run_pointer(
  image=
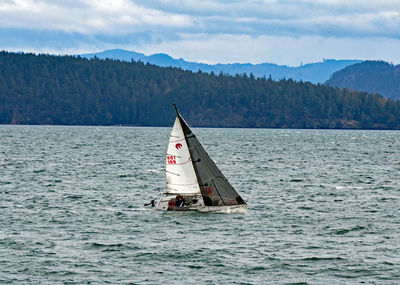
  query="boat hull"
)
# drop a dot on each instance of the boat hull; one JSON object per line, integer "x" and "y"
{"x": 195, "y": 203}
{"x": 234, "y": 209}
{"x": 167, "y": 202}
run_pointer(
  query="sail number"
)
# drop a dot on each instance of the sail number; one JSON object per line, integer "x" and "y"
{"x": 171, "y": 159}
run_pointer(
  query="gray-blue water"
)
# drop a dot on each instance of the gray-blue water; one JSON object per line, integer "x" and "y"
{"x": 323, "y": 208}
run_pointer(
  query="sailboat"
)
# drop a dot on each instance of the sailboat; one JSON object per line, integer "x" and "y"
{"x": 194, "y": 182}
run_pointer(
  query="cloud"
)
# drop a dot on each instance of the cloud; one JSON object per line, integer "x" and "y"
{"x": 271, "y": 17}
{"x": 276, "y": 49}
{"x": 293, "y": 18}
{"x": 230, "y": 28}
{"x": 87, "y": 17}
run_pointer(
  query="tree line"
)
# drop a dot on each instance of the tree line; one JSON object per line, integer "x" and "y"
{"x": 69, "y": 90}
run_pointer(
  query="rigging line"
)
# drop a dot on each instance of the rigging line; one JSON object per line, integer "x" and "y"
{"x": 215, "y": 177}
{"x": 182, "y": 184}
{"x": 176, "y": 140}
{"x": 172, "y": 188}
{"x": 215, "y": 186}
{"x": 174, "y": 155}
{"x": 172, "y": 173}
{"x": 180, "y": 191}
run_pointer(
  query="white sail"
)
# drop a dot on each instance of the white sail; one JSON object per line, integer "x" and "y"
{"x": 181, "y": 177}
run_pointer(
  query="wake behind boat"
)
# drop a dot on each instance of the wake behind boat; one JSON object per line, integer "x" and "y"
{"x": 194, "y": 182}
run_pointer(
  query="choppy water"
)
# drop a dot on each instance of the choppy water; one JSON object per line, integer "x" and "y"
{"x": 323, "y": 208}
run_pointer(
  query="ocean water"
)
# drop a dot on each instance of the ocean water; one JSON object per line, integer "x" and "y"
{"x": 324, "y": 208}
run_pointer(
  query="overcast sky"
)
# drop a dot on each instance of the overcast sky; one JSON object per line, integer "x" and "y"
{"x": 283, "y": 32}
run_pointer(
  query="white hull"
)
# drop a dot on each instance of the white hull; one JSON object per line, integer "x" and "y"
{"x": 163, "y": 204}
{"x": 235, "y": 209}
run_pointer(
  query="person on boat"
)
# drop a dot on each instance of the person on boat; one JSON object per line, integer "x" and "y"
{"x": 152, "y": 203}
{"x": 179, "y": 201}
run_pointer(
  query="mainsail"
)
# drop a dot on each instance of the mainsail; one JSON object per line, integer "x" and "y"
{"x": 214, "y": 187}
{"x": 181, "y": 177}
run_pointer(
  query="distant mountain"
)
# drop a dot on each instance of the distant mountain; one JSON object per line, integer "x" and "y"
{"x": 314, "y": 72}
{"x": 369, "y": 76}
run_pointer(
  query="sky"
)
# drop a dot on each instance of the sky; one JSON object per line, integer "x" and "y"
{"x": 287, "y": 32}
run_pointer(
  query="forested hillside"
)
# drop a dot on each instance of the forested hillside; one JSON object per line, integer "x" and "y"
{"x": 370, "y": 76}
{"x": 66, "y": 90}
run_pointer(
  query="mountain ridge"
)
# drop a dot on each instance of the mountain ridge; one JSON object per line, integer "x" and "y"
{"x": 316, "y": 73}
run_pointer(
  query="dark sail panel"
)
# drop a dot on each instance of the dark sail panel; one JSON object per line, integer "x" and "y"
{"x": 215, "y": 188}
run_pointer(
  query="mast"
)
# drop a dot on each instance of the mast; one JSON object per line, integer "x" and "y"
{"x": 176, "y": 109}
